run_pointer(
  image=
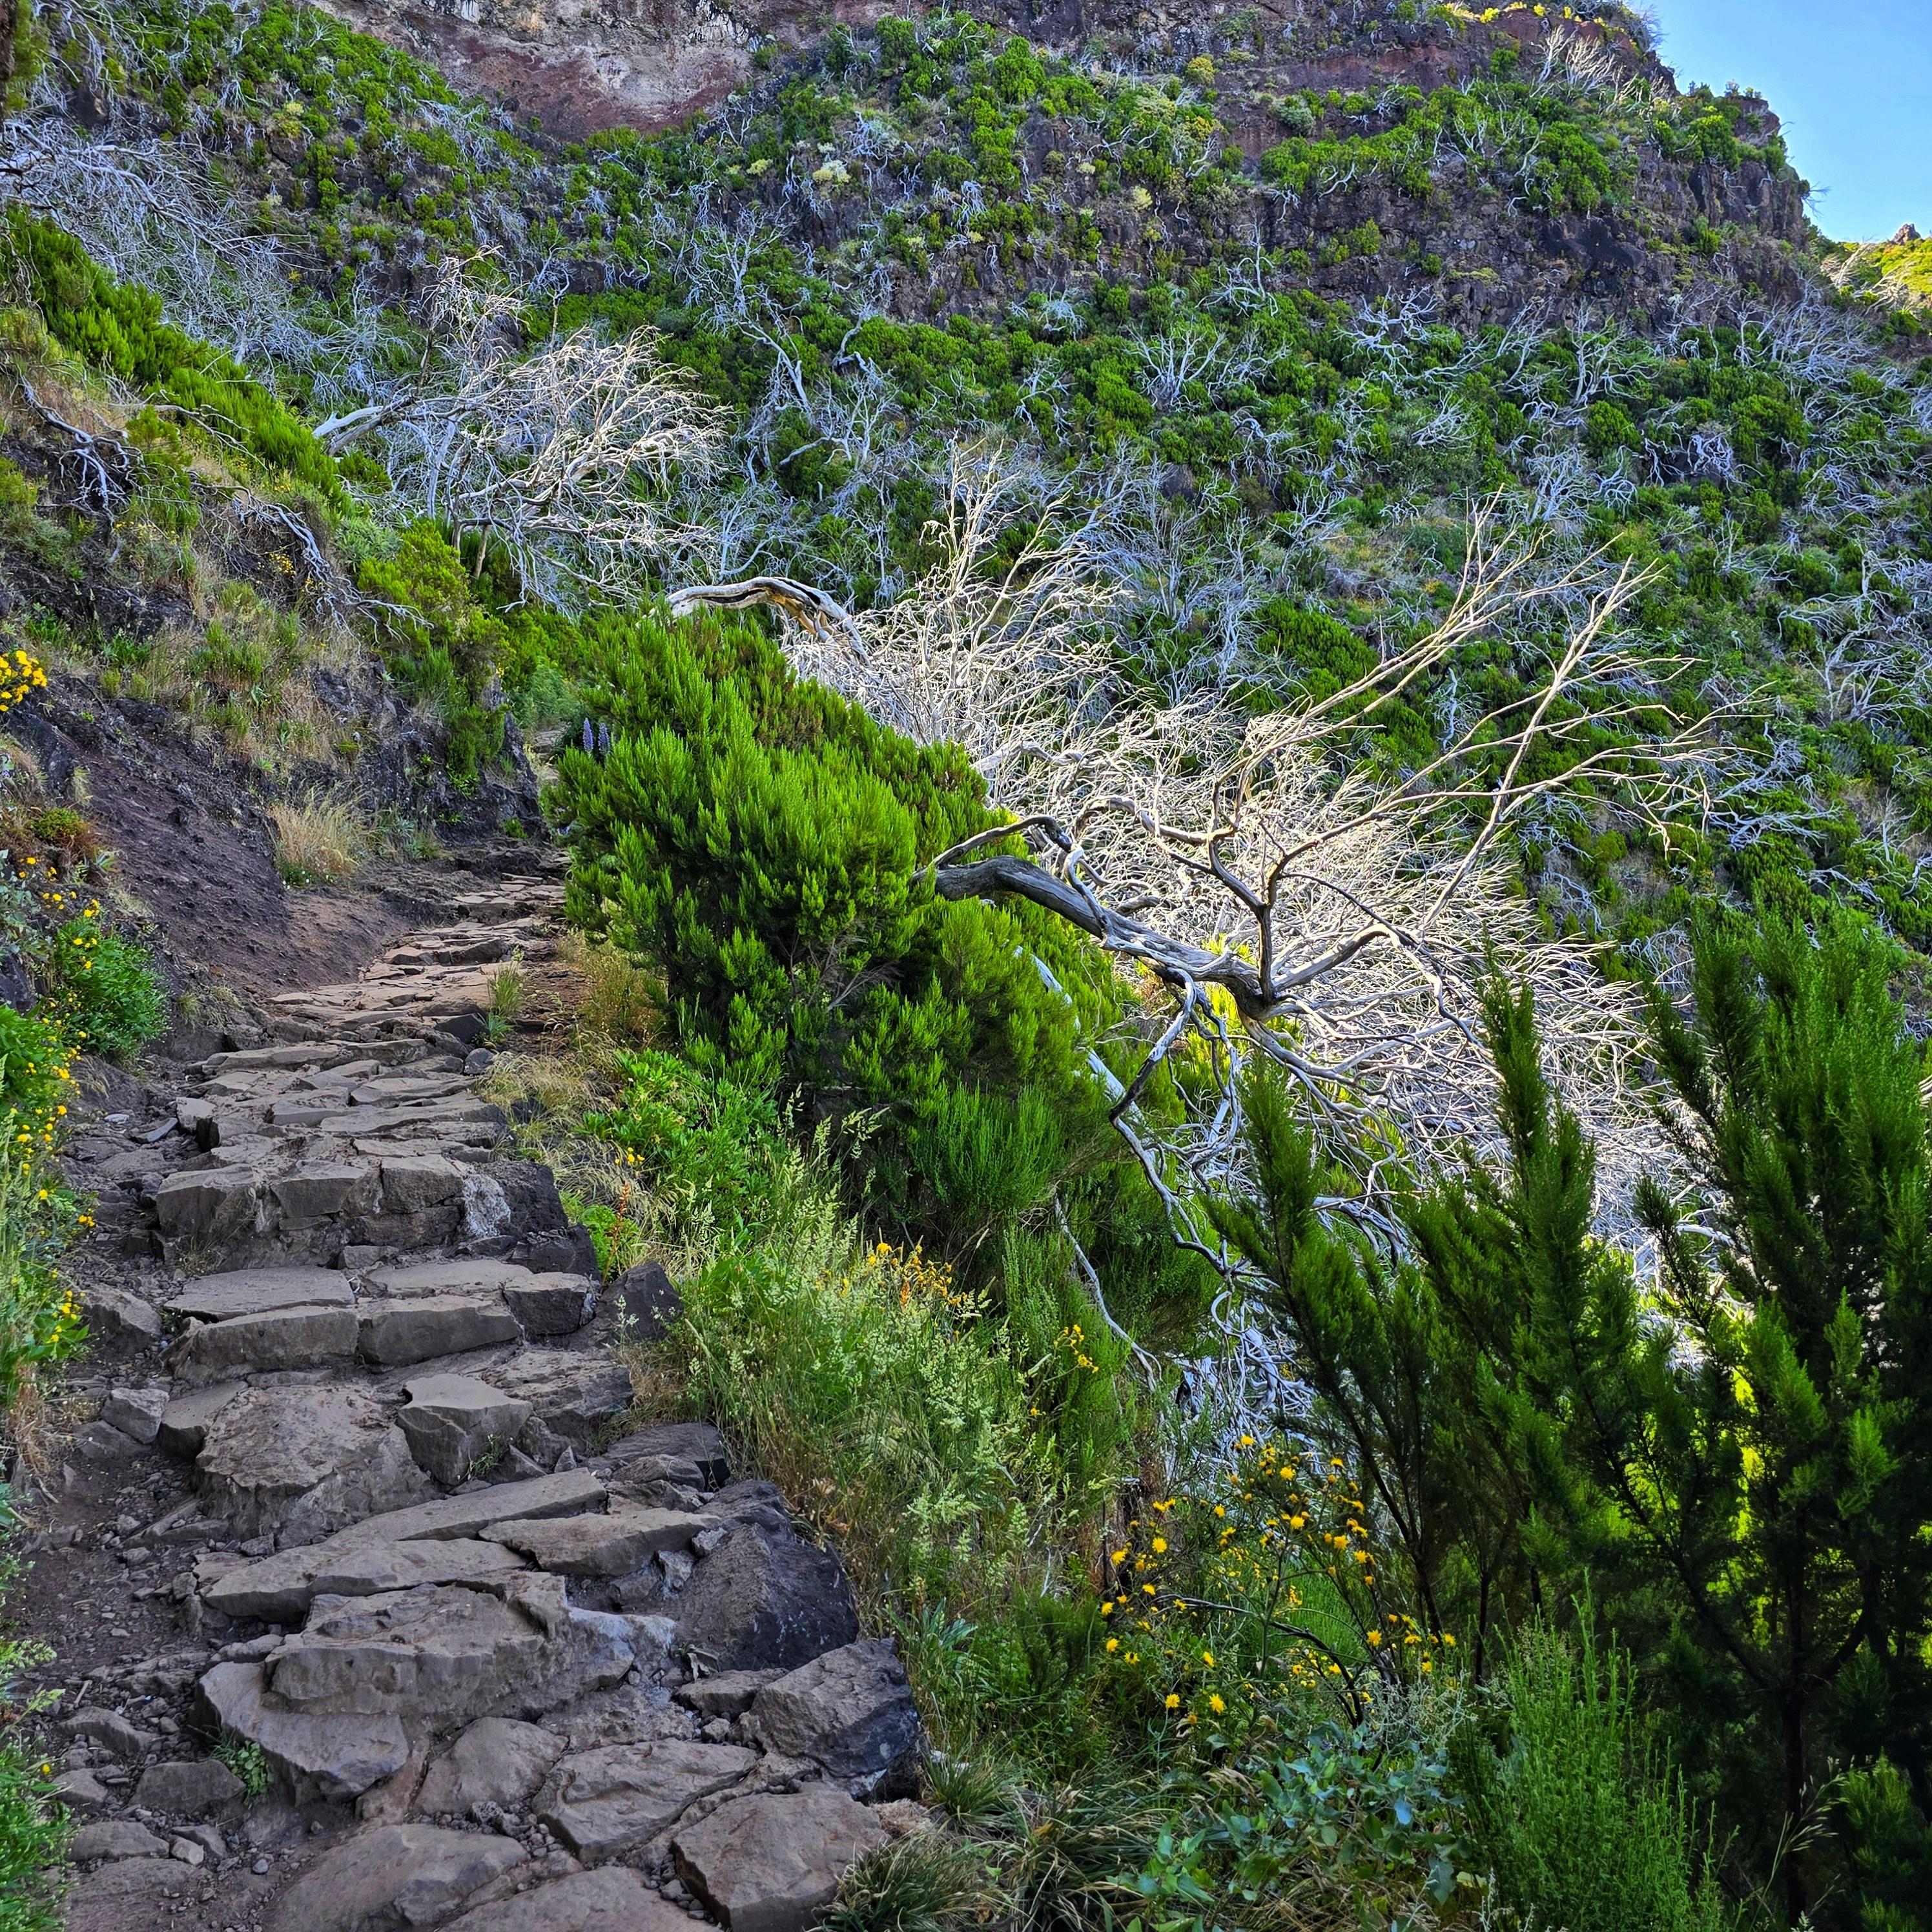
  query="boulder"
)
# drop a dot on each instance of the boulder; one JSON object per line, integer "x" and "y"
{"x": 612, "y": 1545}
{"x": 568, "y": 1250}
{"x": 191, "y": 1788}
{"x": 318, "y": 1755}
{"x": 394, "y": 1334}
{"x": 220, "y": 1298}
{"x": 602, "y": 1803}
{"x": 696, "y": 1445}
{"x": 319, "y": 1191}
{"x": 850, "y": 1711}
{"x": 300, "y": 1462}
{"x": 613, "y": 1899}
{"x": 572, "y": 1393}
{"x": 728, "y": 1694}
{"x": 411, "y": 1187}
{"x": 116, "y": 1838}
{"x": 215, "y": 1207}
{"x": 113, "y": 1315}
{"x": 392, "y": 1876}
{"x": 136, "y": 1412}
{"x": 551, "y": 1304}
{"x": 184, "y": 1421}
{"x": 451, "y": 1421}
{"x": 441, "y": 1653}
{"x": 496, "y": 1761}
{"x": 643, "y": 1303}
{"x": 285, "y": 1338}
{"x": 764, "y": 1600}
{"x": 772, "y": 1863}
{"x": 81, "y": 1791}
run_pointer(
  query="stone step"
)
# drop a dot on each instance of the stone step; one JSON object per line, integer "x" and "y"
{"x": 218, "y": 1297}
{"x": 279, "y": 1589}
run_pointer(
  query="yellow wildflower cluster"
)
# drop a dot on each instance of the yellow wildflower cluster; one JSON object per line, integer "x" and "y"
{"x": 1073, "y": 1340}
{"x": 915, "y": 1280}
{"x": 21, "y": 675}
{"x": 1266, "y": 1585}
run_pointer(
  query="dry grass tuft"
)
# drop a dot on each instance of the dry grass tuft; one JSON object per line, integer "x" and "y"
{"x": 318, "y": 840}
{"x": 615, "y": 998}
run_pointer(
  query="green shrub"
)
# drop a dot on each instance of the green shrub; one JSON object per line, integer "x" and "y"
{"x": 105, "y": 992}
{"x": 119, "y": 329}
{"x": 708, "y": 1146}
{"x": 1581, "y": 1823}
{"x": 34, "y": 1831}
{"x": 874, "y": 1391}
{"x": 761, "y": 843}
{"x": 442, "y": 646}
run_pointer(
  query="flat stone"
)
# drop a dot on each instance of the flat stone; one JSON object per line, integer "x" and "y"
{"x": 451, "y": 1421}
{"x": 573, "y": 1393}
{"x": 551, "y": 1304}
{"x": 773, "y": 1862}
{"x": 393, "y": 1875}
{"x": 369, "y": 1570}
{"x": 127, "y": 1892}
{"x": 603, "y": 1803}
{"x": 850, "y": 1711}
{"x": 220, "y": 1298}
{"x": 330, "y": 1756}
{"x": 191, "y": 1788}
{"x": 183, "y": 1425}
{"x": 277, "y": 1589}
{"x": 136, "y": 1412}
{"x": 693, "y": 1442}
{"x": 469, "y": 1274}
{"x": 611, "y": 1545}
{"x": 111, "y": 1731}
{"x": 285, "y": 1338}
{"x": 300, "y": 1462}
{"x": 101, "y": 1442}
{"x": 613, "y": 1899}
{"x": 728, "y": 1694}
{"x": 395, "y": 1334}
{"x": 496, "y": 1761}
{"x": 764, "y": 1600}
{"x": 116, "y": 1838}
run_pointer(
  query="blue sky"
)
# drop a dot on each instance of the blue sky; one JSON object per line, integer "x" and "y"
{"x": 1853, "y": 82}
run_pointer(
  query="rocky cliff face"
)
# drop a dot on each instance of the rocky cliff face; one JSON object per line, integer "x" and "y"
{"x": 1485, "y": 244}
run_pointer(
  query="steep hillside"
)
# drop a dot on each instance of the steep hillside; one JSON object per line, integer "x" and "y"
{"x": 1239, "y": 708}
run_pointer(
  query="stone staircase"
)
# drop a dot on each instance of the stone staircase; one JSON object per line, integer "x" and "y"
{"x": 506, "y": 1665}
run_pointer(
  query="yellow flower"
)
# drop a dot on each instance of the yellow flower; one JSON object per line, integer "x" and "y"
{"x": 1374, "y": 1637}
{"x": 1160, "y": 1546}
{"x": 1173, "y": 1701}
{"x": 1113, "y": 1643}
{"x": 1208, "y": 1658}
{"x": 1215, "y": 1702}
{"x": 1107, "y": 1609}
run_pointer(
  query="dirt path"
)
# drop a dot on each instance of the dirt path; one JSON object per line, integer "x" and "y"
{"x": 370, "y": 1610}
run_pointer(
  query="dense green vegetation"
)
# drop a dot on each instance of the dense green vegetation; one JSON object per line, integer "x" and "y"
{"x": 1484, "y": 1563}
